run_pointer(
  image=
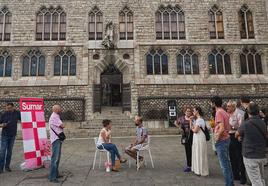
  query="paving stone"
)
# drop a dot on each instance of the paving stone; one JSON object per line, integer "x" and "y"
{"x": 77, "y": 159}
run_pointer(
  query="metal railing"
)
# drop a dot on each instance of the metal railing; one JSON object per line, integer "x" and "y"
{"x": 156, "y": 108}
{"x": 73, "y": 109}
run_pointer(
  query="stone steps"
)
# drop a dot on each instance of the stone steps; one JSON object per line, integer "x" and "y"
{"x": 122, "y": 125}
{"x": 120, "y": 121}
{"x": 116, "y": 132}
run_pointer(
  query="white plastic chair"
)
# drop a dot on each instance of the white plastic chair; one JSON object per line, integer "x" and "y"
{"x": 144, "y": 148}
{"x": 101, "y": 151}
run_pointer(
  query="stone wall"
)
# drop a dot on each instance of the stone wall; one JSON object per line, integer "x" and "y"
{"x": 17, "y": 79}
{"x": 196, "y": 14}
{"x": 196, "y": 19}
{"x": 203, "y": 77}
{"x": 202, "y": 90}
{"x": 51, "y": 92}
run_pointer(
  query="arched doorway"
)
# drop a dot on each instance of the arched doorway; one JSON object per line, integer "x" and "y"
{"x": 111, "y": 86}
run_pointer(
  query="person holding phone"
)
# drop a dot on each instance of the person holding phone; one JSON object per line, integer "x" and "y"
{"x": 8, "y": 122}
{"x": 187, "y": 135}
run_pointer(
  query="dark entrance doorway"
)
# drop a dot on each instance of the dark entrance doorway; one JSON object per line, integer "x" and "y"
{"x": 111, "y": 86}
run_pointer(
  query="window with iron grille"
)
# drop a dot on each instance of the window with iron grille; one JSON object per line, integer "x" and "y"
{"x": 65, "y": 63}
{"x": 216, "y": 30}
{"x": 187, "y": 62}
{"x": 156, "y": 62}
{"x": 250, "y": 62}
{"x": 5, "y": 24}
{"x": 126, "y": 24}
{"x": 95, "y": 24}
{"x": 170, "y": 23}
{"x": 50, "y": 24}
{"x": 5, "y": 64}
{"x": 219, "y": 62}
{"x": 33, "y": 63}
{"x": 246, "y": 23}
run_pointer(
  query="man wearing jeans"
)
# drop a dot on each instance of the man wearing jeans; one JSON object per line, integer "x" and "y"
{"x": 56, "y": 127}
{"x": 8, "y": 122}
{"x": 253, "y": 133}
{"x": 222, "y": 140}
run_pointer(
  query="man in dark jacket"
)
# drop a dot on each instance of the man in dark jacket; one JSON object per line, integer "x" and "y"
{"x": 253, "y": 134}
{"x": 8, "y": 122}
{"x": 244, "y": 103}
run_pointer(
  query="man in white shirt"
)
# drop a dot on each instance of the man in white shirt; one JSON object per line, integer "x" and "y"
{"x": 235, "y": 149}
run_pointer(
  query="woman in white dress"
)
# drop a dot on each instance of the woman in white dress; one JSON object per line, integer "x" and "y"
{"x": 199, "y": 147}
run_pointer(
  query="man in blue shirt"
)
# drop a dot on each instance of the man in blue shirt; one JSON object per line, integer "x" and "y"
{"x": 8, "y": 122}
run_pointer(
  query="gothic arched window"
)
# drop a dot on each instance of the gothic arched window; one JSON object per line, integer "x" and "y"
{"x": 170, "y": 23}
{"x": 246, "y": 23}
{"x": 156, "y": 62}
{"x": 216, "y": 30}
{"x": 65, "y": 63}
{"x": 187, "y": 62}
{"x": 5, "y": 24}
{"x": 250, "y": 62}
{"x": 33, "y": 64}
{"x": 219, "y": 62}
{"x": 51, "y": 24}
{"x": 126, "y": 24}
{"x": 5, "y": 64}
{"x": 95, "y": 24}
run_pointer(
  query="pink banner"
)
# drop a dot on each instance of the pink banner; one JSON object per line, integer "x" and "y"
{"x": 33, "y": 132}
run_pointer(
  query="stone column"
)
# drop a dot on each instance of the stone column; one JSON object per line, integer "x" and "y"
{"x": 172, "y": 64}
{"x": 235, "y": 62}
{"x": 49, "y": 64}
{"x": 134, "y": 98}
{"x": 17, "y": 66}
{"x": 264, "y": 60}
{"x": 203, "y": 61}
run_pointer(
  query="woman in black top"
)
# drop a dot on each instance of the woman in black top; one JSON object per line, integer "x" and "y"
{"x": 187, "y": 136}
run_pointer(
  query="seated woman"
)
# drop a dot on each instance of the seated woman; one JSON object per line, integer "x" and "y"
{"x": 104, "y": 141}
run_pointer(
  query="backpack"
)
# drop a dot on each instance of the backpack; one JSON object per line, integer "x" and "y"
{"x": 206, "y": 132}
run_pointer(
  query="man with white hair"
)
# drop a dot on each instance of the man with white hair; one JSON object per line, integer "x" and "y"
{"x": 235, "y": 148}
{"x": 56, "y": 128}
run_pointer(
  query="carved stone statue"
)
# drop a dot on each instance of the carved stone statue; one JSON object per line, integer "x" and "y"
{"x": 108, "y": 41}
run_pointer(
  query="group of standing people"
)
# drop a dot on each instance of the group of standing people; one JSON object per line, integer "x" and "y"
{"x": 240, "y": 136}
{"x": 194, "y": 140}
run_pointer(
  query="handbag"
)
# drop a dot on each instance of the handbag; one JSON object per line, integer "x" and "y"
{"x": 206, "y": 132}
{"x": 61, "y": 135}
{"x": 185, "y": 138}
{"x": 117, "y": 164}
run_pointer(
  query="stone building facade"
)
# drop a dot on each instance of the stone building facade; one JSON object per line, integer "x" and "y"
{"x": 129, "y": 56}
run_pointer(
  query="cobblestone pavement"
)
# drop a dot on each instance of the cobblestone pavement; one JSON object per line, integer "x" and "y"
{"x": 77, "y": 159}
